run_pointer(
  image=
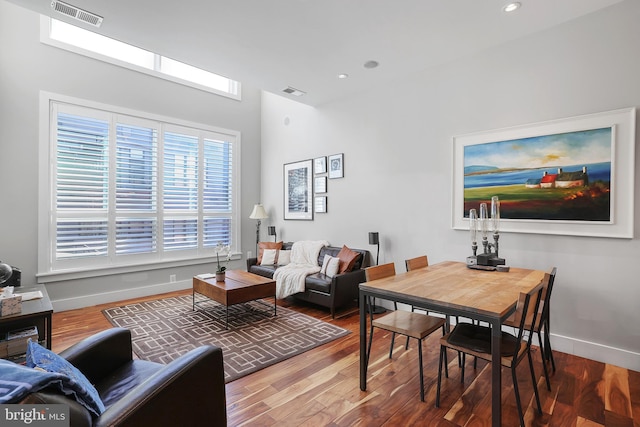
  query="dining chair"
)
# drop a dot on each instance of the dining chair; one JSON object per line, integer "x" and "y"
{"x": 408, "y": 323}
{"x": 476, "y": 340}
{"x": 417, "y": 262}
{"x": 541, "y": 323}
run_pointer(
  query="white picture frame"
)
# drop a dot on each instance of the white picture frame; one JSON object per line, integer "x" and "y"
{"x": 621, "y": 221}
{"x": 320, "y": 165}
{"x": 320, "y": 184}
{"x": 320, "y": 204}
{"x": 298, "y": 190}
{"x": 336, "y": 166}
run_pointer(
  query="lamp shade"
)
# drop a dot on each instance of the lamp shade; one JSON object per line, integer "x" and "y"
{"x": 258, "y": 212}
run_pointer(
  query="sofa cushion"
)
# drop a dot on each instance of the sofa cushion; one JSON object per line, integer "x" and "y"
{"x": 348, "y": 259}
{"x": 318, "y": 282}
{"x": 267, "y": 245}
{"x": 263, "y": 270}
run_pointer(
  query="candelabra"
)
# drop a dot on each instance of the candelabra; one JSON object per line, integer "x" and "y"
{"x": 489, "y": 255}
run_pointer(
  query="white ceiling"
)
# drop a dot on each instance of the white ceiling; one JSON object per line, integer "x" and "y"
{"x": 273, "y": 44}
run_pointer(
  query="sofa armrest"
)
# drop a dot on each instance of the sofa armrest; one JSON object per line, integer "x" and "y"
{"x": 250, "y": 262}
{"x": 188, "y": 391}
{"x": 344, "y": 287}
{"x": 101, "y": 354}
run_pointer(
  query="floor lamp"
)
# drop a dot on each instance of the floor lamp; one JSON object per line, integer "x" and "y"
{"x": 374, "y": 239}
{"x": 258, "y": 213}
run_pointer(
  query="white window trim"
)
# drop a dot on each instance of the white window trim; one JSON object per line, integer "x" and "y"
{"x": 45, "y": 26}
{"x": 46, "y": 167}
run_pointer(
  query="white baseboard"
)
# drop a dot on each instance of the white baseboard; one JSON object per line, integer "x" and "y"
{"x": 598, "y": 352}
{"x": 114, "y": 296}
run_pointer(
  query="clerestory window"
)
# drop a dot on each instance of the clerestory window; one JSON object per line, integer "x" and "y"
{"x": 84, "y": 42}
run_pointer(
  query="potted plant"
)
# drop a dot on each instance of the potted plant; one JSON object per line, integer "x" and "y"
{"x": 222, "y": 266}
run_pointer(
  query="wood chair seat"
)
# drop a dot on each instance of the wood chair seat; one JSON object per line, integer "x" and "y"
{"x": 414, "y": 325}
{"x": 475, "y": 340}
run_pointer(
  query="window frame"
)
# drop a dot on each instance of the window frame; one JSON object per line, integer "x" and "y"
{"x": 57, "y": 270}
{"x": 45, "y": 37}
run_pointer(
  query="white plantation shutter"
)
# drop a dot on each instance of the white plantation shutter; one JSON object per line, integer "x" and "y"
{"x": 81, "y": 190}
{"x": 180, "y": 172}
{"x": 217, "y": 197}
{"x": 129, "y": 189}
{"x": 136, "y": 179}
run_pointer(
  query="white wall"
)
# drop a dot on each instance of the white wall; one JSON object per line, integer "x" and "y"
{"x": 28, "y": 67}
{"x": 397, "y": 145}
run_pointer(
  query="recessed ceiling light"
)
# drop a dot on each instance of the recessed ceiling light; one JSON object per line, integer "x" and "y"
{"x": 512, "y": 7}
{"x": 371, "y": 64}
{"x": 343, "y": 76}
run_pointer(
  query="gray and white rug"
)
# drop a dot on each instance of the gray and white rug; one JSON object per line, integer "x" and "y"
{"x": 164, "y": 329}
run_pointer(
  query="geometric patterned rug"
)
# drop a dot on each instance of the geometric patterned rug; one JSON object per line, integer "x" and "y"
{"x": 164, "y": 329}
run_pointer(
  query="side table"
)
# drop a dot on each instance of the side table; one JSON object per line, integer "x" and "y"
{"x": 35, "y": 312}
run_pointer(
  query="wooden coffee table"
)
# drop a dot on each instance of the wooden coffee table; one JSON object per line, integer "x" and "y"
{"x": 239, "y": 287}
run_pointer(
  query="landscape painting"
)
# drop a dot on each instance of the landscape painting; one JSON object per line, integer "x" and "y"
{"x": 569, "y": 176}
{"x": 565, "y": 176}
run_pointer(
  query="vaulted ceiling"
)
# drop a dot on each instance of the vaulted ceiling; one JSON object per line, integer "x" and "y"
{"x": 306, "y": 44}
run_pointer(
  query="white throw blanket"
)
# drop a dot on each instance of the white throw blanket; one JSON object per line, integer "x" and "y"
{"x": 304, "y": 261}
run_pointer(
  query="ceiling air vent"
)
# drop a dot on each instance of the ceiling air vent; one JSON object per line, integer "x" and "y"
{"x": 293, "y": 91}
{"x": 76, "y": 13}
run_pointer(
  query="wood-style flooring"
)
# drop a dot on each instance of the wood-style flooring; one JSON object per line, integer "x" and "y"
{"x": 321, "y": 387}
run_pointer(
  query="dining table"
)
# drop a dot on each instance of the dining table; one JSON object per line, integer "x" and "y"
{"x": 453, "y": 289}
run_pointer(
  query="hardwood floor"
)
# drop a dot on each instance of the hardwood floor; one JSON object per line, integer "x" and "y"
{"x": 321, "y": 387}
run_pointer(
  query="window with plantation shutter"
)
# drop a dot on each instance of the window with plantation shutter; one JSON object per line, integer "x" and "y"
{"x": 129, "y": 189}
{"x": 217, "y": 197}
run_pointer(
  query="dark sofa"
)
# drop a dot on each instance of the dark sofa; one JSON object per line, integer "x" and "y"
{"x": 189, "y": 391}
{"x": 321, "y": 289}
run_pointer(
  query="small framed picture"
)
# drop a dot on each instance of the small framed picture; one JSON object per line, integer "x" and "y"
{"x": 336, "y": 166}
{"x": 321, "y": 204}
{"x": 320, "y": 165}
{"x": 320, "y": 184}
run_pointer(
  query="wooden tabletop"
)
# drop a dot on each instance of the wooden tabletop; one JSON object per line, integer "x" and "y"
{"x": 452, "y": 285}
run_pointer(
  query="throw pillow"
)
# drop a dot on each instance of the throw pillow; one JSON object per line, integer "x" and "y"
{"x": 267, "y": 245}
{"x": 269, "y": 256}
{"x": 284, "y": 257}
{"x": 75, "y": 383}
{"x": 330, "y": 265}
{"x": 325, "y": 263}
{"x": 333, "y": 267}
{"x": 347, "y": 259}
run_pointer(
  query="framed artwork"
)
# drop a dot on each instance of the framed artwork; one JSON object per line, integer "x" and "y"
{"x": 320, "y": 165}
{"x": 336, "y": 166}
{"x": 321, "y": 204}
{"x": 298, "y": 191}
{"x": 569, "y": 176}
{"x": 320, "y": 184}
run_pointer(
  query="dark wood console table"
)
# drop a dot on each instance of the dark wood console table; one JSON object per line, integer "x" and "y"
{"x": 35, "y": 312}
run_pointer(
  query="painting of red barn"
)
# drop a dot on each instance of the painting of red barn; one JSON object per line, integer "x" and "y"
{"x": 550, "y": 177}
{"x": 566, "y": 175}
